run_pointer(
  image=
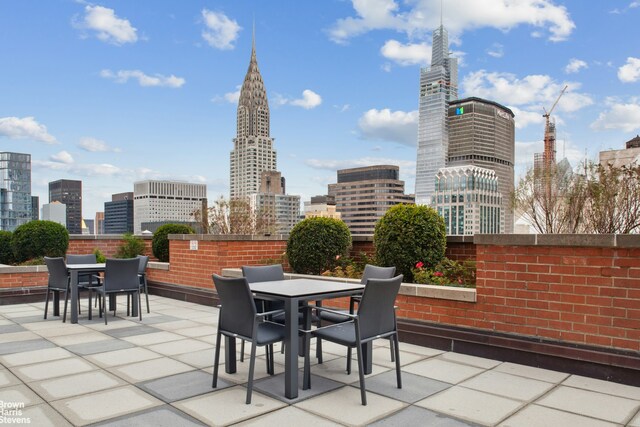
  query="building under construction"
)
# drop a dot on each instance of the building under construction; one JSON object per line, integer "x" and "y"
{"x": 545, "y": 161}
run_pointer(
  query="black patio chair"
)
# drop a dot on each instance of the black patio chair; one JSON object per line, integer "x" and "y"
{"x": 120, "y": 276}
{"x": 142, "y": 276}
{"x": 239, "y": 318}
{"x": 264, "y": 273}
{"x": 58, "y": 281}
{"x": 339, "y": 316}
{"x": 376, "y": 318}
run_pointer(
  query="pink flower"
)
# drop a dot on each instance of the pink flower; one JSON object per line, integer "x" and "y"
{"x": 420, "y": 264}
{"x": 337, "y": 257}
{"x": 438, "y": 274}
{"x": 460, "y": 280}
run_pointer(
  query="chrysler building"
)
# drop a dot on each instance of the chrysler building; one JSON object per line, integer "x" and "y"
{"x": 253, "y": 151}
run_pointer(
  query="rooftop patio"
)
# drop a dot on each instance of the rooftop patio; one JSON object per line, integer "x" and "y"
{"x": 158, "y": 372}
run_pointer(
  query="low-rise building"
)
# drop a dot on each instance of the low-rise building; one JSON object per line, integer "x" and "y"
{"x": 469, "y": 200}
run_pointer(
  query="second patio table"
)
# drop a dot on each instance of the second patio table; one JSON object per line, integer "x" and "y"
{"x": 292, "y": 292}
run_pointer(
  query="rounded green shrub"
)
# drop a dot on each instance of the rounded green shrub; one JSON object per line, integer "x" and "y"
{"x": 160, "y": 243}
{"x": 408, "y": 234}
{"x": 39, "y": 238}
{"x": 315, "y": 243}
{"x": 6, "y": 252}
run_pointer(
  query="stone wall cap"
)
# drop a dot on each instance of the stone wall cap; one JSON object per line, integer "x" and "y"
{"x": 574, "y": 240}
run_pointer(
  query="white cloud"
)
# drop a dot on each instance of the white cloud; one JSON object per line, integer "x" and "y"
{"x": 387, "y": 125}
{"x": 107, "y": 25}
{"x": 634, "y": 4}
{"x": 525, "y": 118}
{"x": 25, "y": 128}
{"x": 406, "y": 54}
{"x": 62, "y": 157}
{"x": 630, "y": 72}
{"x": 625, "y": 117}
{"x": 535, "y": 91}
{"x": 405, "y": 165}
{"x": 87, "y": 170}
{"x": 342, "y": 108}
{"x": 220, "y": 32}
{"x": 575, "y": 65}
{"x": 496, "y": 50}
{"x": 309, "y": 100}
{"x": 158, "y": 80}
{"x": 418, "y": 17}
{"x": 95, "y": 145}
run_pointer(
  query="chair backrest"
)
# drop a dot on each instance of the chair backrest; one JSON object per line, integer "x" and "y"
{"x": 375, "y": 272}
{"x": 376, "y": 312}
{"x": 263, "y": 273}
{"x": 238, "y": 309}
{"x": 81, "y": 259}
{"x": 143, "y": 261}
{"x": 121, "y": 275}
{"x": 58, "y": 274}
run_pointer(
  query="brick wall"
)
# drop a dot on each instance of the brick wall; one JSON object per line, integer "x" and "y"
{"x": 195, "y": 267}
{"x": 108, "y": 244}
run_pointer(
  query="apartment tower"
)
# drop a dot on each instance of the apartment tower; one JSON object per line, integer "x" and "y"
{"x": 482, "y": 133}
{"x": 438, "y": 87}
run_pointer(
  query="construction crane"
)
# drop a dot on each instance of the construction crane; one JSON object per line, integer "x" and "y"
{"x": 549, "y": 155}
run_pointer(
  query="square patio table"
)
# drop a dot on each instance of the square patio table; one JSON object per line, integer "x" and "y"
{"x": 75, "y": 270}
{"x": 292, "y": 292}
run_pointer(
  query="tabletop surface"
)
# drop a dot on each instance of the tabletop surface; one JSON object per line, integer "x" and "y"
{"x": 303, "y": 287}
{"x": 86, "y": 266}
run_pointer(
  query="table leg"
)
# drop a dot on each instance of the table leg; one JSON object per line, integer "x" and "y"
{"x": 74, "y": 296}
{"x": 230, "y": 355}
{"x": 291, "y": 348}
{"x": 134, "y": 305}
{"x": 367, "y": 357}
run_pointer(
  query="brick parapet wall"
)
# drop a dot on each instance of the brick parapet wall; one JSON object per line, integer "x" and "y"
{"x": 108, "y": 244}
{"x": 195, "y": 267}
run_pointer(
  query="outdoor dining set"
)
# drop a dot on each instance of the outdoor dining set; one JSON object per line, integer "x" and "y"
{"x": 261, "y": 308}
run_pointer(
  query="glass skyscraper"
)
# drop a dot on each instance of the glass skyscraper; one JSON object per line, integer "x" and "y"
{"x": 438, "y": 86}
{"x": 15, "y": 190}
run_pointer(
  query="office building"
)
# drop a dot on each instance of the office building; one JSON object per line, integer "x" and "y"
{"x": 35, "y": 208}
{"x": 253, "y": 151}
{"x": 166, "y": 202}
{"x": 99, "y": 223}
{"x": 629, "y": 156}
{"x": 438, "y": 87}
{"x": 468, "y": 199}
{"x": 279, "y": 210}
{"x": 118, "y": 214}
{"x": 69, "y": 192}
{"x": 482, "y": 133}
{"x": 321, "y": 206}
{"x": 363, "y": 195}
{"x": 56, "y": 212}
{"x": 90, "y": 223}
{"x": 15, "y": 190}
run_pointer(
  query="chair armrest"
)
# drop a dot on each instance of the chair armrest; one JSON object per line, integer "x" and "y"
{"x": 270, "y": 313}
{"x": 341, "y": 313}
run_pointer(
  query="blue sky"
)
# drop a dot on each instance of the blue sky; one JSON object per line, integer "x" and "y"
{"x": 118, "y": 91}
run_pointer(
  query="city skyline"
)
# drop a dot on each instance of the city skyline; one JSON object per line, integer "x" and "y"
{"x": 116, "y": 92}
